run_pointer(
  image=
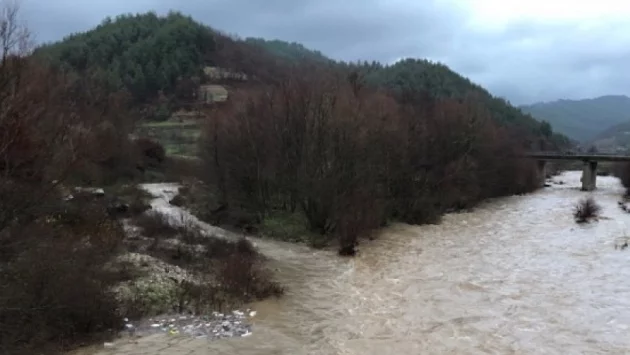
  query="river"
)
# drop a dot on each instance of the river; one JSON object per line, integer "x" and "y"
{"x": 515, "y": 276}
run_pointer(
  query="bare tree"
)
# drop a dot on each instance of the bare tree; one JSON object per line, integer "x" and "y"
{"x": 15, "y": 38}
{"x": 46, "y": 122}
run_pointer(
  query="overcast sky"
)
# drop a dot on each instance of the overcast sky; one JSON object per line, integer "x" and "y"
{"x": 523, "y": 50}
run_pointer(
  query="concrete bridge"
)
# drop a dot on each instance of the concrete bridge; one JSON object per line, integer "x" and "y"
{"x": 589, "y": 171}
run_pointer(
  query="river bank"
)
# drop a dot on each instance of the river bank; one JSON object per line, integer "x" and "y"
{"x": 516, "y": 275}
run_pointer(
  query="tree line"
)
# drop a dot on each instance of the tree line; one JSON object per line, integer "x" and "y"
{"x": 350, "y": 157}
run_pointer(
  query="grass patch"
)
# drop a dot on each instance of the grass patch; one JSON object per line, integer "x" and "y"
{"x": 291, "y": 227}
{"x": 280, "y": 225}
{"x": 178, "y": 138}
{"x": 163, "y": 124}
{"x": 181, "y": 149}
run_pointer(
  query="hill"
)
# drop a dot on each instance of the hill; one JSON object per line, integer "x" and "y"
{"x": 142, "y": 53}
{"x": 582, "y": 119}
{"x": 439, "y": 81}
{"x": 162, "y": 61}
{"x": 613, "y": 139}
{"x": 294, "y": 52}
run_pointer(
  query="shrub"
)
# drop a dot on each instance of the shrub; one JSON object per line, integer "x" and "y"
{"x": 53, "y": 285}
{"x": 138, "y": 206}
{"x": 237, "y": 269}
{"x": 155, "y": 224}
{"x": 178, "y": 200}
{"x": 228, "y": 273}
{"x": 161, "y": 113}
{"x": 585, "y": 210}
{"x": 152, "y": 151}
{"x": 235, "y": 280}
{"x": 242, "y": 276}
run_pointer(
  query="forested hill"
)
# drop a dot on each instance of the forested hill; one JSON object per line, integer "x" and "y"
{"x": 155, "y": 56}
{"x": 291, "y": 51}
{"x": 440, "y": 81}
{"x": 583, "y": 119}
{"x": 147, "y": 54}
{"x": 143, "y": 53}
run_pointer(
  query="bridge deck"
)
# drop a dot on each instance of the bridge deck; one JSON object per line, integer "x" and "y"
{"x": 584, "y": 157}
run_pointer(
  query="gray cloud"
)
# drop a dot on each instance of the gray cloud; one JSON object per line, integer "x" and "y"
{"x": 525, "y": 61}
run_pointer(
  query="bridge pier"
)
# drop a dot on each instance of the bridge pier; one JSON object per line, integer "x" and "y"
{"x": 542, "y": 172}
{"x": 589, "y": 171}
{"x": 589, "y": 175}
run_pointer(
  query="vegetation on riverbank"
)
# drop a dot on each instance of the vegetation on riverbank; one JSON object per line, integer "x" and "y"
{"x": 349, "y": 157}
{"x": 66, "y": 252}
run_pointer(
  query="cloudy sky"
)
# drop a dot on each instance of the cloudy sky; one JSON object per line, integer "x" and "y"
{"x": 523, "y": 50}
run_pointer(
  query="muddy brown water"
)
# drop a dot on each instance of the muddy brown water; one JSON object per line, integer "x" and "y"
{"x": 515, "y": 276}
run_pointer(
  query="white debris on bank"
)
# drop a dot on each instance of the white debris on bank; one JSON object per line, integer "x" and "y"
{"x": 214, "y": 326}
{"x": 163, "y": 193}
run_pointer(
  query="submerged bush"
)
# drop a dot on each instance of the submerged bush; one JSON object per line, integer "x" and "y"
{"x": 585, "y": 210}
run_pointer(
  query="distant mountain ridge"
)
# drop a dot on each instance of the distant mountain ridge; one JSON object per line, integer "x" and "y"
{"x": 615, "y": 138}
{"x": 582, "y": 120}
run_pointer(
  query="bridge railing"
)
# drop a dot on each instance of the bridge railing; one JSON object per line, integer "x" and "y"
{"x": 576, "y": 156}
{"x": 575, "y": 153}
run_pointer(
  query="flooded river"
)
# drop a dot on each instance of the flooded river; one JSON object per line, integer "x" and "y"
{"x": 516, "y": 276}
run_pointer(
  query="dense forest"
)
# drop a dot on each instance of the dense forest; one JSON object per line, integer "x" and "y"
{"x": 144, "y": 54}
{"x": 294, "y": 52}
{"x": 147, "y": 54}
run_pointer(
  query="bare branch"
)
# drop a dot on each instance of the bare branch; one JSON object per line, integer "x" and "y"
{"x": 15, "y": 38}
